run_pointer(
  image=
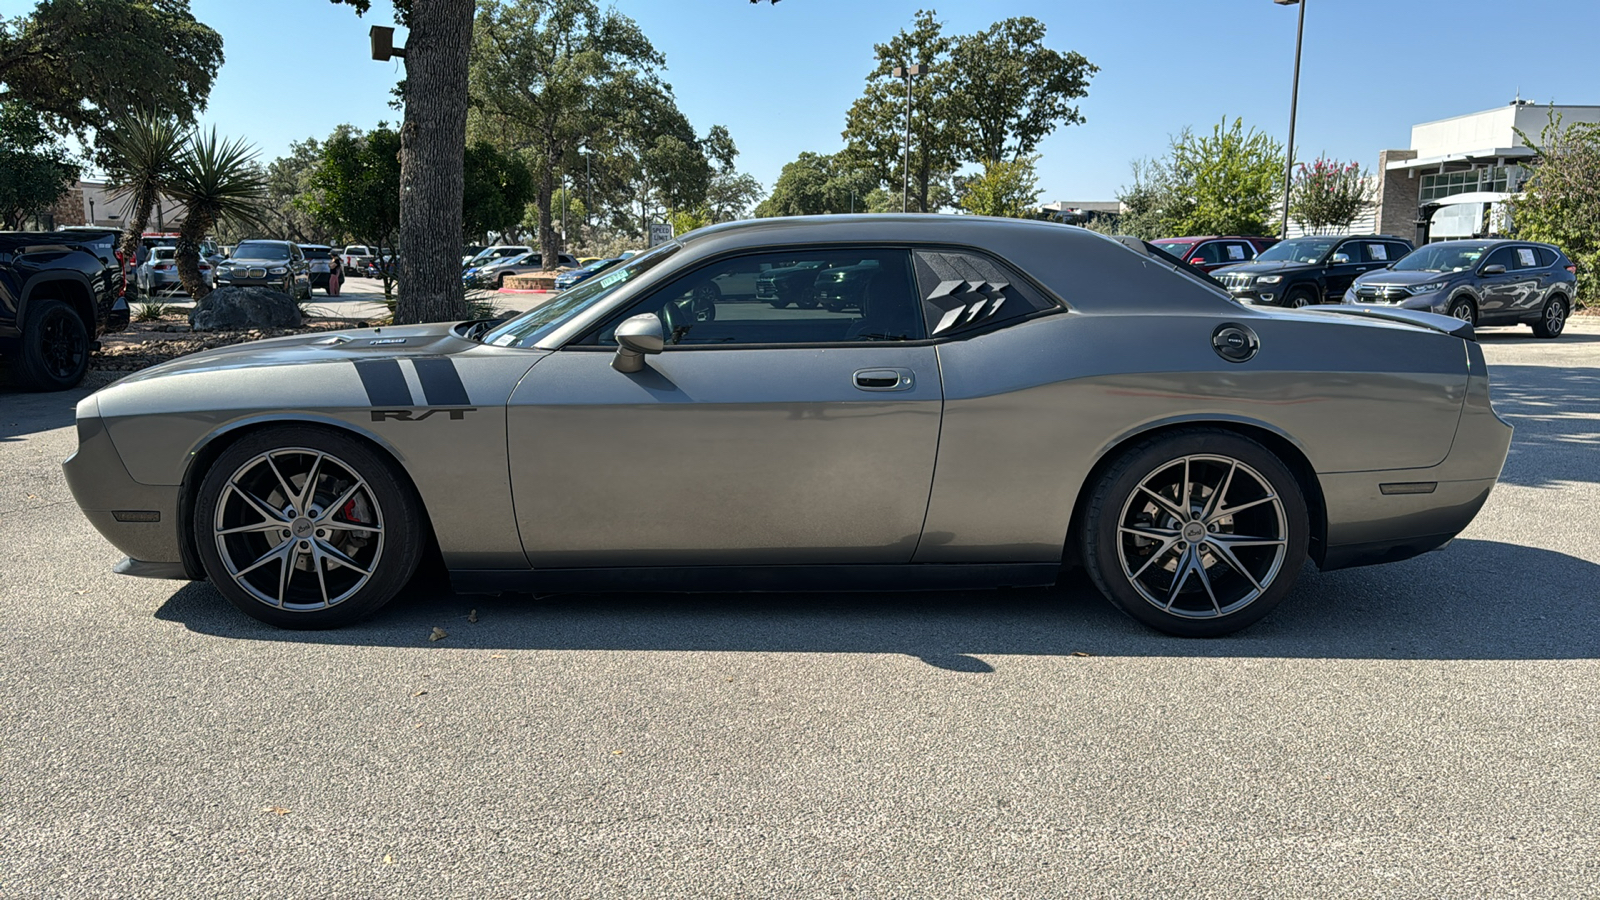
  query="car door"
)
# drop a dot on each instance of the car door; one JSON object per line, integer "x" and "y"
{"x": 758, "y": 436}
{"x": 1497, "y": 291}
{"x": 1532, "y": 281}
{"x": 1346, "y": 263}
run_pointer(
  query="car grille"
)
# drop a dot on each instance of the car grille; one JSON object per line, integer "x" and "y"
{"x": 765, "y": 289}
{"x": 1236, "y": 279}
{"x": 254, "y": 273}
{"x": 1381, "y": 293}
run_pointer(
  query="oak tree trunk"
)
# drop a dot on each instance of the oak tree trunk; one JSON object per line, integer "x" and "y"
{"x": 548, "y": 247}
{"x": 433, "y": 143}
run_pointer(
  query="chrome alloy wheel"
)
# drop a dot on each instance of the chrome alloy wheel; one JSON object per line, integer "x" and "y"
{"x": 1555, "y": 317}
{"x": 1202, "y": 537}
{"x": 298, "y": 529}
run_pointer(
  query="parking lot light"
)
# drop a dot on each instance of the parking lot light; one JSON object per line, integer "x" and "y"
{"x": 1294, "y": 100}
{"x": 908, "y": 72}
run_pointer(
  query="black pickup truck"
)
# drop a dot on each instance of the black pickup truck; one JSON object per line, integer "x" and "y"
{"x": 59, "y": 291}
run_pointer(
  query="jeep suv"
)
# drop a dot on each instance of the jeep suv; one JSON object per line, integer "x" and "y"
{"x": 1308, "y": 270}
{"x": 59, "y": 291}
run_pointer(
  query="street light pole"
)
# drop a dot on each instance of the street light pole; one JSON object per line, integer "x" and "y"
{"x": 907, "y": 72}
{"x": 1294, "y": 102}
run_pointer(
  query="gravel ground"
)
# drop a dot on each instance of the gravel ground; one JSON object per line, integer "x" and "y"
{"x": 1429, "y": 728}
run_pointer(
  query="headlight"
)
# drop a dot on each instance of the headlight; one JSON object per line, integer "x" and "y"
{"x": 1269, "y": 279}
{"x": 1426, "y": 288}
{"x": 278, "y": 270}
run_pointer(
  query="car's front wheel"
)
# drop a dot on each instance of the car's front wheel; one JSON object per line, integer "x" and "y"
{"x": 1552, "y": 318}
{"x": 1462, "y": 308}
{"x": 1198, "y": 533}
{"x": 306, "y": 528}
{"x": 1298, "y": 298}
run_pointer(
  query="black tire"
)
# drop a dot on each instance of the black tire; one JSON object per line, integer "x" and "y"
{"x": 1462, "y": 308}
{"x": 54, "y": 351}
{"x": 389, "y": 502}
{"x": 1552, "y": 319}
{"x": 778, "y": 304}
{"x": 1111, "y": 552}
{"x": 806, "y": 303}
{"x": 501, "y": 283}
{"x": 1299, "y": 297}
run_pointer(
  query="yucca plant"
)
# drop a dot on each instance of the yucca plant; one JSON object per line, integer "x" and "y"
{"x": 143, "y": 150}
{"x": 214, "y": 179}
{"x": 152, "y": 310}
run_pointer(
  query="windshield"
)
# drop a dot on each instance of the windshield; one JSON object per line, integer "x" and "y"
{"x": 1305, "y": 250}
{"x": 1180, "y": 249}
{"x": 526, "y": 330}
{"x": 261, "y": 251}
{"x": 1451, "y": 257}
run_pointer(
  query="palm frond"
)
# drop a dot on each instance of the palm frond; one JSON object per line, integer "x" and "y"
{"x": 219, "y": 179}
{"x": 143, "y": 149}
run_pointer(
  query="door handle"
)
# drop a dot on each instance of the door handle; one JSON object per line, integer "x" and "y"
{"x": 883, "y": 379}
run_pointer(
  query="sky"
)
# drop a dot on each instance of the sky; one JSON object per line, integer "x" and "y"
{"x": 781, "y": 77}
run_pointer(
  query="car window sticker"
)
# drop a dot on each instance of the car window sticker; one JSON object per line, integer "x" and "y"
{"x": 1235, "y": 251}
{"x": 1378, "y": 252}
{"x": 1525, "y": 258}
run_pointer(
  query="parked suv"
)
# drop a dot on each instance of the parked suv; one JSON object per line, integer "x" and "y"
{"x": 1487, "y": 282}
{"x": 319, "y": 263}
{"x": 1209, "y": 254}
{"x": 273, "y": 264}
{"x": 1307, "y": 270}
{"x": 58, "y": 292}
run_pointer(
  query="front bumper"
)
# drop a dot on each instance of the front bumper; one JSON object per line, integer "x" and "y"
{"x": 1263, "y": 295}
{"x": 141, "y": 520}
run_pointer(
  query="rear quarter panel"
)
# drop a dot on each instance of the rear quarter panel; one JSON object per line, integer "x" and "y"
{"x": 1031, "y": 409}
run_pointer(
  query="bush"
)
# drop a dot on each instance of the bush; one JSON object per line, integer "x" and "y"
{"x": 1560, "y": 202}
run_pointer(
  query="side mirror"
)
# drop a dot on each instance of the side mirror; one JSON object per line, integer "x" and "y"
{"x": 1494, "y": 270}
{"x": 637, "y": 336}
{"x": 1340, "y": 259}
{"x": 1197, "y": 261}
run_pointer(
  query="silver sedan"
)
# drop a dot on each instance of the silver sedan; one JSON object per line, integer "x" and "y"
{"x": 997, "y": 399}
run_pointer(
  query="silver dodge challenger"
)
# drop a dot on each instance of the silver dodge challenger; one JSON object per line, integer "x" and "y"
{"x": 939, "y": 402}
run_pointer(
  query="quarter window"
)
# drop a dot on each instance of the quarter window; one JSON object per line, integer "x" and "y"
{"x": 1502, "y": 257}
{"x": 802, "y": 296}
{"x": 963, "y": 291}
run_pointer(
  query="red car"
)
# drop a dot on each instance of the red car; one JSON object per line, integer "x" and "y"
{"x": 1211, "y": 253}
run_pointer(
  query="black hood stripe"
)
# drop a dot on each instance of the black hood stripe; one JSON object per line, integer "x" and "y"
{"x": 440, "y": 381}
{"x": 385, "y": 383}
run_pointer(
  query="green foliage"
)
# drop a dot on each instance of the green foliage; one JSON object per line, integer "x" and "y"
{"x": 81, "y": 63}
{"x": 685, "y": 221}
{"x": 1560, "y": 202}
{"x": 141, "y": 154}
{"x": 816, "y": 184}
{"x": 498, "y": 189}
{"x": 214, "y": 179}
{"x": 354, "y": 190}
{"x": 1328, "y": 195}
{"x": 152, "y": 310}
{"x": 1009, "y": 189}
{"x": 288, "y": 179}
{"x": 1223, "y": 183}
{"x": 992, "y": 95}
{"x": 35, "y": 170}
{"x": 1144, "y": 203}
{"x": 1008, "y": 91}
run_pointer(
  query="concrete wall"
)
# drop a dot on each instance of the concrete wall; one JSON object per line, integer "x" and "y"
{"x": 1491, "y": 129}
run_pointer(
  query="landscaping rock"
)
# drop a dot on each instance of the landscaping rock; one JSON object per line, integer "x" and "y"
{"x": 234, "y": 308}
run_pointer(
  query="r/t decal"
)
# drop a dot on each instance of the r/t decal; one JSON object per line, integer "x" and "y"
{"x": 407, "y": 415}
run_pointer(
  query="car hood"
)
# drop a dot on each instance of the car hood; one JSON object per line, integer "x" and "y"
{"x": 387, "y": 342}
{"x": 249, "y": 261}
{"x": 1261, "y": 268}
{"x": 1389, "y": 276}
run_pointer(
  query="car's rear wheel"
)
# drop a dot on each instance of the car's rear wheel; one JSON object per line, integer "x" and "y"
{"x": 1462, "y": 308}
{"x": 1299, "y": 297}
{"x": 778, "y": 304}
{"x": 1197, "y": 533}
{"x": 306, "y": 528}
{"x": 55, "y": 347}
{"x": 1552, "y": 318}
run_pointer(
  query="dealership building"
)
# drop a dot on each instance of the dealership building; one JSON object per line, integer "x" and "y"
{"x": 1454, "y": 179}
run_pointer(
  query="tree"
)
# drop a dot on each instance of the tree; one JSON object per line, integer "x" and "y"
{"x": 354, "y": 190}
{"x": 1559, "y": 203}
{"x": 1009, "y": 189}
{"x": 551, "y": 75}
{"x": 498, "y": 187}
{"x": 731, "y": 196}
{"x": 214, "y": 179}
{"x": 874, "y": 129}
{"x": 83, "y": 63}
{"x": 1328, "y": 195}
{"x": 35, "y": 170}
{"x": 1146, "y": 203}
{"x": 816, "y": 184}
{"x": 1224, "y": 183}
{"x": 288, "y": 179}
{"x": 1008, "y": 91}
{"x": 141, "y": 151}
{"x": 432, "y": 157}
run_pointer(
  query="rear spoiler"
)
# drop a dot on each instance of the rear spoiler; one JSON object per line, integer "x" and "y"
{"x": 1431, "y": 321}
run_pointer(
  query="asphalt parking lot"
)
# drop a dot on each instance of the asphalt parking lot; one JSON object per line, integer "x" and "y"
{"x": 1429, "y": 728}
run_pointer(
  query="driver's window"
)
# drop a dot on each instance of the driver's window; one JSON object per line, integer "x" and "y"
{"x": 807, "y": 296}
{"x": 1502, "y": 257}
